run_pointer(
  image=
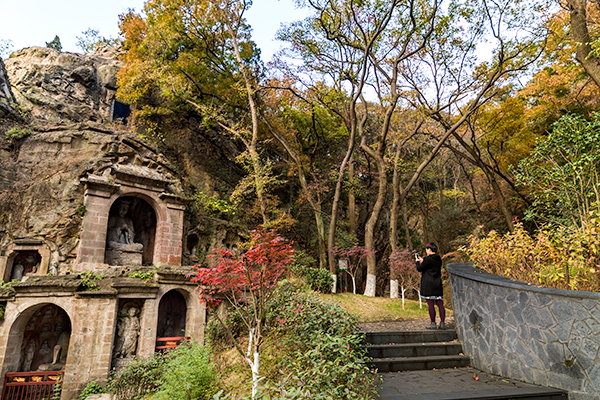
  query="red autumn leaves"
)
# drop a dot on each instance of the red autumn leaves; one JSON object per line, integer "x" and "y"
{"x": 253, "y": 272}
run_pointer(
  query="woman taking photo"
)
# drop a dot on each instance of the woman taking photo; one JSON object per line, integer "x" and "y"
{"x": 432, "y": 290}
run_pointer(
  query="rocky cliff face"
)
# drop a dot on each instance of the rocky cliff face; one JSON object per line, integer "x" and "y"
{"x": 41, "y": 194}
{"x": 68, "y": 134}
{"x": 7, "y": 99}
{"x": 54, "y": 85}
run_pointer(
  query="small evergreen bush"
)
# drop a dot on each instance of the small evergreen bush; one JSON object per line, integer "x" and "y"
{"x": 140, "y": 378}
{"x": 188, "y": 374}
{"x": 54, "y": 44}
{"x": 92, "y": 388}
{"x": 319, "y": 280}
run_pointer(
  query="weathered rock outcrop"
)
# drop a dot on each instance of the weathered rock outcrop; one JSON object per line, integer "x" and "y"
{"x": 7, "y": 99}
{"x": 70, "y": 135}
{"x": 41, "y": 193}
{"x": 70, "y": 86}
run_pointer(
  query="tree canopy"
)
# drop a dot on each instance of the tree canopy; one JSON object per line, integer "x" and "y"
{"x": 382, "y": 124}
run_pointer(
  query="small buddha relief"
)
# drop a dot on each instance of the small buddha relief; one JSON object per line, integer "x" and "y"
{"x": 25, "y": 262}
{"x": 120, "y": 246}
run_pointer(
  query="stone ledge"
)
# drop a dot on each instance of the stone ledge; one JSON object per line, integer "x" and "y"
{"x": 44, "y": 284}
{"x": 97, "y": 293}
{"x": 175, "y": 275}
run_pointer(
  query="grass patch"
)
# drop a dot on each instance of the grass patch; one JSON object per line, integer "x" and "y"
{"x": 372, "y": 309}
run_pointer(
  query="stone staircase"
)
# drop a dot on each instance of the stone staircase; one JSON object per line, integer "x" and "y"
{"x": 430, "y": 365}
{"x": 415, "y": 350}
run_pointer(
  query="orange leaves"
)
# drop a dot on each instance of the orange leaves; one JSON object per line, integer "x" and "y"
{"x": 564, "y": 257}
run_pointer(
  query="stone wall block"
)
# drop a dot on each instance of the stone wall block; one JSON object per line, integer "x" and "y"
{"x": 542, "y": 336}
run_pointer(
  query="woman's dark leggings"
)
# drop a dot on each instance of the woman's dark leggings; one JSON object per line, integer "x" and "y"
{"x": 431, "y": 306}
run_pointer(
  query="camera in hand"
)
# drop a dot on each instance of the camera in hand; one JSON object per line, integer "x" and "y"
{"x": 417, "y": 256}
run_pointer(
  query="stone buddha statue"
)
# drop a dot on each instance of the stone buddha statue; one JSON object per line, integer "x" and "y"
{"x": 120, "y": 247}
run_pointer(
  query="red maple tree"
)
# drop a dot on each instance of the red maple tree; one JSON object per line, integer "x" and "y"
{"x": 246, "y": 282}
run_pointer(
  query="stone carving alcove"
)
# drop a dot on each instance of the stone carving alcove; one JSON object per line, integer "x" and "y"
{"x": 22, "y": 257}
{"x": 130, "y": 232}
{"x": 192, "y": 247}
{"x": 172, "y": 312}
{"x": 153, "y": 217}
{"x": 126, "y": 340}
{"x": 46, "y": 340}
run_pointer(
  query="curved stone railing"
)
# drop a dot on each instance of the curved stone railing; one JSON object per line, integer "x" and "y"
{"x": 543, "y": 336}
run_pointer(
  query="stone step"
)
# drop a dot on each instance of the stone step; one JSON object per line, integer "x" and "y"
{"x": 398, "y": 364}
{"x": 458, "y": 384}
{"x": 424, "y": 336}
{"x": 429, "y": 365}
{"x": 414, "y": 349}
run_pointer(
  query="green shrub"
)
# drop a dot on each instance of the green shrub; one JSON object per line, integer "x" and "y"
{"x": 88, "y": 278}
{"x": 319, "y": 280}
{"x": 16, "y": 134}
{"x": 188, "y": 374}
{"x": 325, "y": 357}
{"x": 213, "y": 206}
{"x": 92, "y": 388}
{"x": 302, "y": 258}
{"x": 140, "y": 378}
{"x": 313, "y": 349}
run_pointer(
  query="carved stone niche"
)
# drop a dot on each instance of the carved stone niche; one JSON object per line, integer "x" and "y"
{"x": 130, "y": 219}
{"x": 30, "y": 256}
{"x": 130, "y": 233}
{"x": 46, "y": 340}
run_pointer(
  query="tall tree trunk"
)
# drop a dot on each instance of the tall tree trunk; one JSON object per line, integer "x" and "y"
{"x": 334, "y": 210}
{"x": 313, "y": 198}
{"x": 581, "y": 36}
{"x": 370, "y": 288}
{"x": 409, "y": 244}
{"x": 252, "y": 148}
{"x": 394, "y": 221}
{"x": 351, "y": 197}
{"x": 395, "y": 204}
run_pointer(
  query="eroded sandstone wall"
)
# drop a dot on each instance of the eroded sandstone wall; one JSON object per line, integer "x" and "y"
{"x": 41, "y": 193}
{"x": 66, "y": 134}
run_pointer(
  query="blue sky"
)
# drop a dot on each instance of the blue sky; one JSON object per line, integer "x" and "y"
{"x": 34, "y": 22}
